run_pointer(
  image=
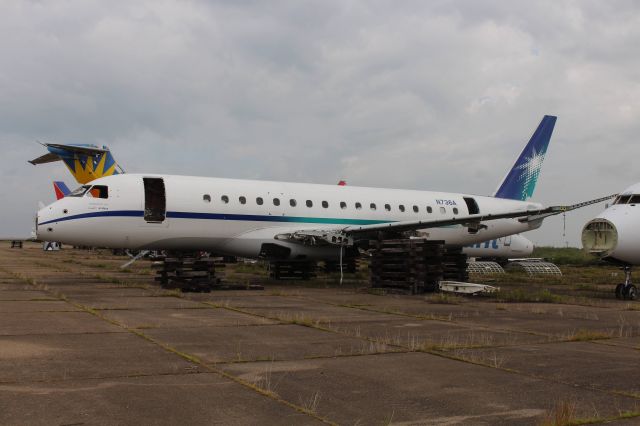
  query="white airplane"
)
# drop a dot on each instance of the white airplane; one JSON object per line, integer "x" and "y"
{"x": 251, "y": 218}
{"x": 614, "y": 236}
{"x": 89, "y": 162}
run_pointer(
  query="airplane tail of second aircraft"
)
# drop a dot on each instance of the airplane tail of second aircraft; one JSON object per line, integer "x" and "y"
{"x": 85, "y": 162}
{"x": 520, "y": 181}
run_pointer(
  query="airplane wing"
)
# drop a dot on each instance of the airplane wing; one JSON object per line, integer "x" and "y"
{"x": 346, "y": 235}
{"x": 47, "y": 158}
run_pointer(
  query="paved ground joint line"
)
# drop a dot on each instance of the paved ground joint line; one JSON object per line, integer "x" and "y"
{"x": 183, "y": 355}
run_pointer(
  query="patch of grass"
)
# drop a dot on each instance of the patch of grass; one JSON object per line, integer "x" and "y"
{"x": 519, "y": 296}
{"x": 311, "y": 404}
{"x": 562, "y": 414}
{"x": 171, "y": 293}
{"x": 584, "y": 335}
{"x": 565, "y": 255}
{"x": 472, "y": 340}
{"x": 444, "y": 299}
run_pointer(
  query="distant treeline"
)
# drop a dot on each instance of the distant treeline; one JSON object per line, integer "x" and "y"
{"x": 565, "y": 256}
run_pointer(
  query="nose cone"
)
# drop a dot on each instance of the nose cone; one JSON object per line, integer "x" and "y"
{"x": 40, "y": 229}
{"x": 600, "y": 237}
{"x": 45, "y": 221}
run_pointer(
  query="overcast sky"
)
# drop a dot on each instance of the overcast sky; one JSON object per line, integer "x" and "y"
{"x": 432, "y": 95}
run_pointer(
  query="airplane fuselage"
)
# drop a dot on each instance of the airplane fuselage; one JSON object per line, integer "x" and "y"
{"x": 614, "y": 234}
{"x": 237, "y": 217}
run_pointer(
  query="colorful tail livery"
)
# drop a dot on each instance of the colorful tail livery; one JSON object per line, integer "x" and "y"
{"x": 85, "y": 162}
{"x": 521, "y": 179}
{"x": 61, "y": 189}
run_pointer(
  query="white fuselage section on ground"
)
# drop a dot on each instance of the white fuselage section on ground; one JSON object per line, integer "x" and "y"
{"x": 236, "y": 217}
{"x": 615, "y": 233}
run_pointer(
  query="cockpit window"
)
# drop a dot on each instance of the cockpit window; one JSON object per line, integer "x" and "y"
{"x": 627, "y": 199}
{"x": 99, "y": 191}
{"x": 79, "y": 192}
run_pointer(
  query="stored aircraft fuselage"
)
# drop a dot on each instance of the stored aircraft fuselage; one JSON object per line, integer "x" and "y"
{"x": 240, "y": 217}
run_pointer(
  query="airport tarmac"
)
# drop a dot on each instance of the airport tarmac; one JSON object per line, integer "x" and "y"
{"x": 82, "y": 342}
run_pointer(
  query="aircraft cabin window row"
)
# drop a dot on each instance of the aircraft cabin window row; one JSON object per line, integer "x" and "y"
{"x": 101, "y": 191}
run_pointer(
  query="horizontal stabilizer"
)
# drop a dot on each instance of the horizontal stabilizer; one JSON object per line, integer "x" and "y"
{"x": 79, "y": 149}
{"x": 47, "y": 158}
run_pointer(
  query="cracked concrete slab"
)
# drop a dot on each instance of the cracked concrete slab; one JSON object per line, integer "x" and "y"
{"x": 414, "y": 388}
{"x": 266, "y": 342}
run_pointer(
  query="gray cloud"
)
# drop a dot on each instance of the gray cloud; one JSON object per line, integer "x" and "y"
{"x": 425, "y": 95}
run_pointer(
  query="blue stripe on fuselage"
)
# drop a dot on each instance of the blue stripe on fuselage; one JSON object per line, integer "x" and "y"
{"x": 115, "y": 213}
{"x": 222, "y": 216}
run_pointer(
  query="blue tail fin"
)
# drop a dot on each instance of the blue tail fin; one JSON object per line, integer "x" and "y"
{"x": 521, "y": 179}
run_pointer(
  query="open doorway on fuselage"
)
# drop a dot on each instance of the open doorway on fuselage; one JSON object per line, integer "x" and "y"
{"x": 155, "y": 201}
{"x": 472, "y": 205}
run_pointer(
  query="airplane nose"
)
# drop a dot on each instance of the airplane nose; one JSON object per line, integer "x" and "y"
{"x": 600, "y": 237}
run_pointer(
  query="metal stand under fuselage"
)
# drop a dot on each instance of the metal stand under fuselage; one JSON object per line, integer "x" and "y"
{"x": 626, "y": 291}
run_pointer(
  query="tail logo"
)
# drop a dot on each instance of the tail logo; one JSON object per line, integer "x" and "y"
{"x": 520, "y": 182}
{"x": 530, "y": 171}
{"x": 86, "y": 162}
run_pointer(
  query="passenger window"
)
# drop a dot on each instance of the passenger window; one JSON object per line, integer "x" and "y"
{"x": 372, "y": 206}
{"x": 292, "y": 202}
{"x": 455, "y": 210}
{"x": 259, "y": 201}
{"x": 343, "y": 205}
{"x": 358, "y": 206}
{"x": 443, "y": 210}
{"x": 309, "y": 203}
{"x": 276, "y": 201}
{"x": 429, "y": 209}
{"x": 387, "y": 207}
{"x": 401, "y": 207}
{"x": 635, "y": 199}
{"x": 242, "y": 200}
{"x": 206, "y": 198}
{"x": 416, "y": 209}
{"x": 225, "y": 199}
{"x": 325, "y": 204}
